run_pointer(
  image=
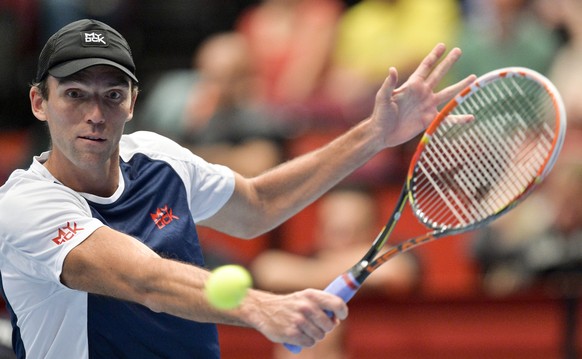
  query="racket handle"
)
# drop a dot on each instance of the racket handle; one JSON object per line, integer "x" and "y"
{"x": 345, "y": 286}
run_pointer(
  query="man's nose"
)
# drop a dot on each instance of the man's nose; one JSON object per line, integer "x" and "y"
{"x": 95, "y": 113}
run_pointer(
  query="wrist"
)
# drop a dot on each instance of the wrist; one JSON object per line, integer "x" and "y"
{"x": 371, "y": 136}
{"x": 250, "y": 312}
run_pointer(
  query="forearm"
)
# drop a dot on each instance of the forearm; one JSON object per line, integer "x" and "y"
{"x": 178, "y": 289}
{"x": 114, "y": 264}
{"x": 302, "y": 180}
{"x": 261, "y": 203}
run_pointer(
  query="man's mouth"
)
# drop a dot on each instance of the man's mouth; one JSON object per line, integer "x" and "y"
{"x": 92, "y": 138}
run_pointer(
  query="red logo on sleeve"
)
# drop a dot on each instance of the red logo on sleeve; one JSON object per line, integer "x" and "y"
{"x": 67, "y": 233}
{"x": 163, "y": 216}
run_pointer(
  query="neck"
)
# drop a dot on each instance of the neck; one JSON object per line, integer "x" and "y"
{"x": 97, "y": 180}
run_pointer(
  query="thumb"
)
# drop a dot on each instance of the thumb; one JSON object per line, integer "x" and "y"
{"x": 389, "y": 84}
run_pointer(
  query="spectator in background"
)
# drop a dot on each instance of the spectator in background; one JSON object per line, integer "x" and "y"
{"x": 541, "y": 236}
{"x": 225, "y": 119}
{"x": 18, "y": 29}
{"x": 371, "y": 36}
{"x": 544, "y": 234}
{"x": 374, "y": 34}
{"x": 215, "y": 110}
{"x": 501, "y": 33}
{"x": 291, "y": 43}
{"x": 566, "y": 68}
{"x": 347, "y": 223}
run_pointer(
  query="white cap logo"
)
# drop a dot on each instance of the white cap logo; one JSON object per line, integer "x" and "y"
{"x": 94, "y": 38}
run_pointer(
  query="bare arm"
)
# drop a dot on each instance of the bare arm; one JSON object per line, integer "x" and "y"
{"x": 263, "y": 202}
{"x": 113, "y": 264}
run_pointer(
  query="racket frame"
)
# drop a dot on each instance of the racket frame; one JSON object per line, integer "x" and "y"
{"x": 370, "y": 261}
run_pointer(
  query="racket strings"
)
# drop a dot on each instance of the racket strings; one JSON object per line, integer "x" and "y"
{"x": 470, "y": 171}
{"x": 470, "y": 204}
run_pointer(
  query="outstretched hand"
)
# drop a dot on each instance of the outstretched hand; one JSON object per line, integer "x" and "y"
{"x": 402, "y": 113}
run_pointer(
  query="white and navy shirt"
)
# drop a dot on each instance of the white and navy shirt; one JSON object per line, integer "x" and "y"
{"x": 163, "y": 191}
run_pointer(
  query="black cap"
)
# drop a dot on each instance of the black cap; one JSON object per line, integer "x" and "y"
{"x": 82, "y": 44}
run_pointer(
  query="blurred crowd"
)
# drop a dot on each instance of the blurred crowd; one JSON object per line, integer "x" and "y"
{"x": 251, "y": 83}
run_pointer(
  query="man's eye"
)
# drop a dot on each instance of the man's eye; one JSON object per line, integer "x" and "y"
{"x": 115, "y": 95}
{"x": 74, "y": 93}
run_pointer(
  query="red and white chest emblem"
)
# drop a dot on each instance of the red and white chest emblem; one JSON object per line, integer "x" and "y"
{"x": 163, "y": 216}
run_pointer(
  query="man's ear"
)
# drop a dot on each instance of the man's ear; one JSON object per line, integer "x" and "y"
{"x": 37, "y": 103}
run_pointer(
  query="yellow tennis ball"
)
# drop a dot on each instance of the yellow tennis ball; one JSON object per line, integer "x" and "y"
{"x": 227, "y": 286}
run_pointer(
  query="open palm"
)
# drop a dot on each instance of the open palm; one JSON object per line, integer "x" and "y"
{"x": 402, "y": 113}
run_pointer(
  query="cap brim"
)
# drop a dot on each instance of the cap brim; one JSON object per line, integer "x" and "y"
{"x": 70, "y": 67}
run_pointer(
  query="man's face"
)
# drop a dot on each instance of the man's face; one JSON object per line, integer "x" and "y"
{"x": 86, "y": 114}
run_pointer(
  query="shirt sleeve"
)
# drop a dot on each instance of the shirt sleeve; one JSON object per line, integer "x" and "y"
{"x": 41, "y": 223}
{"x": 212, "y": 187}
{"x": 208, "y": 186}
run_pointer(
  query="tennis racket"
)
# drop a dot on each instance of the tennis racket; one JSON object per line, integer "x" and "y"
{"x": 464, "y": 175}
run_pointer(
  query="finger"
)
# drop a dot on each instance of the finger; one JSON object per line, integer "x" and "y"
{"x": 328, "y": 305}
{"x": 446, "y": 94}
{"x": 302, "y": 334}
{"x": 443, "y": 67}
{"x": 325, "y": 320}
{"x": 301, "y": 339}
{"x": 318, "y": 324}
{"x": 318, "y": 316}
{"x": 389, "y": 84}
{"x": 308, "y": 332}
{"x": 313, "y": 331}
{"x": 335, "y": 307}
{"x": 428, "y": 63}
{"x": 460, "y": 119}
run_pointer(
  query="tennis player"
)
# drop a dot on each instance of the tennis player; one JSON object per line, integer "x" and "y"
{"x": 99, "y": 256}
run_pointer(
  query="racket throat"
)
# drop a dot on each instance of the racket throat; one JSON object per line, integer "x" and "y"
{"x": 359, "y": 272}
